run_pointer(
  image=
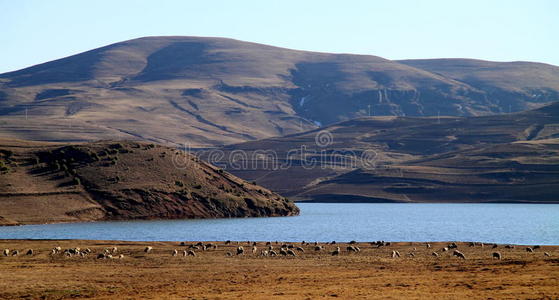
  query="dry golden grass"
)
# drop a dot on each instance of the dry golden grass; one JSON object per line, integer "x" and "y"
{"x": 213, "y": 275}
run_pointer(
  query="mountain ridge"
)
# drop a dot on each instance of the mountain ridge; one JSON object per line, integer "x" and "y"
{"x": 208, "y": 92}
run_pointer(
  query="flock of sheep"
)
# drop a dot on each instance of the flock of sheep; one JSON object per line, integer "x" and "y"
{"x": 270, "y": 250}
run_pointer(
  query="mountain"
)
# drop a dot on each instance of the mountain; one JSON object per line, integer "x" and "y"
{"x": 503, "y": 158}
{"x": 214, "y": 91}
{"x": 49, "y": 182}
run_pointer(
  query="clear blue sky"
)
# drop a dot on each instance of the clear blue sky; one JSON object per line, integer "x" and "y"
{"x": 33, "y": 32}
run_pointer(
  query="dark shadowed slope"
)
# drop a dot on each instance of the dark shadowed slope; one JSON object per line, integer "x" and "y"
{"x": 215, "y": 91}
{"x": 41, "y": 183}
{"x": 513, "y": 157}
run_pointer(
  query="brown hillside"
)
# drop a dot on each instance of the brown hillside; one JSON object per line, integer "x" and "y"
{"x": 42, "y": 183}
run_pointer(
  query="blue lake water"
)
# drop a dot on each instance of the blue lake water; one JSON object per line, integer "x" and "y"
{"x": 499, "y": 223}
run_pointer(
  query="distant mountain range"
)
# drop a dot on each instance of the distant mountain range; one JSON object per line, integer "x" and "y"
{"x": 210, "y": 92}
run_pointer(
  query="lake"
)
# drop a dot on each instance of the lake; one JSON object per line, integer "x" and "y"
{"x": 491, "y": 223}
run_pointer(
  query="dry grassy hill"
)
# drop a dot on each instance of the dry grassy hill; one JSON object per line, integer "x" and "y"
{"x": 42, "y": 183}
{"x": 215, "y": 91}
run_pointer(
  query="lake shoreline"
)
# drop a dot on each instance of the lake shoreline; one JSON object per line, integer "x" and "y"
{"x": 369, "y": 273}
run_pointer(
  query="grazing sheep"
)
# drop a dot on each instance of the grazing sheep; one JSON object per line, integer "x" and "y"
{"x": 300, "y": 249}
{"x": 83, "y": 254}
{"x": 254, "y": 249}
{"x": 272, "y": 253}
{"x": 114, "y": 250}
{"x": 263, "y": 253}
{"x": 268, "y": 243}
{"x": 333, "y": 243}
{"x": 270, "y": 247}
{"x": 496, "y": 255}
{"x": 472, "y": 244}
{"x": 6, "y": 252}
{"x": 121, "y": 256}
{"x": 411, "y": 254}
{"x": 184, "y": 253}
{"x": 109, "y": 256}
{"x": 318, "y": 248}
{"x": 452, "y": 246}
{"x": 240, "y": 250}
{"x": 191, "y": 253}
{"x": 148, "y": 249}
{"x": 199, "y": 244}
{"x": 211, "y": 246}
{"x": 316, "y": 243}
{"x": 227, "y": 242}
{"x": 414, "y": 249}
{"x": 227, "y": 254}
{"x": 352, "y": 249}
{"x": 546, "y": 254}
{"x": 428, "y": 246}
{"x": 29, "y": 252}
{"x": 204, "y": 248}
{"x": 528, "y": 249}
{"x": 435, "y": 254}
{"x": 352, "y": 242}
{"x": 194, "y": 247}
{"x": 101, "y": 256}
{"x": 87, "y": 250}
{"x": 283, "y": 252}
{"x": 175, "y": 252}
{"x": 494, "y": 246}
{"x": 444, "y": 249}
{"x": 336, "y": 252}
{"x": 387, "y": 243}
{"x": 482, "y": 245}
{"x": 395, "y": 254}
{"x": 536, "y": 247}
{"x": 509, "y": 246}
{"x": 53, "y": 252}
{"x": 182, "y": 244}
{"x": 459, "y": 254}
{"x": 15, "y": 253}
{"x": 291, "y": 252}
